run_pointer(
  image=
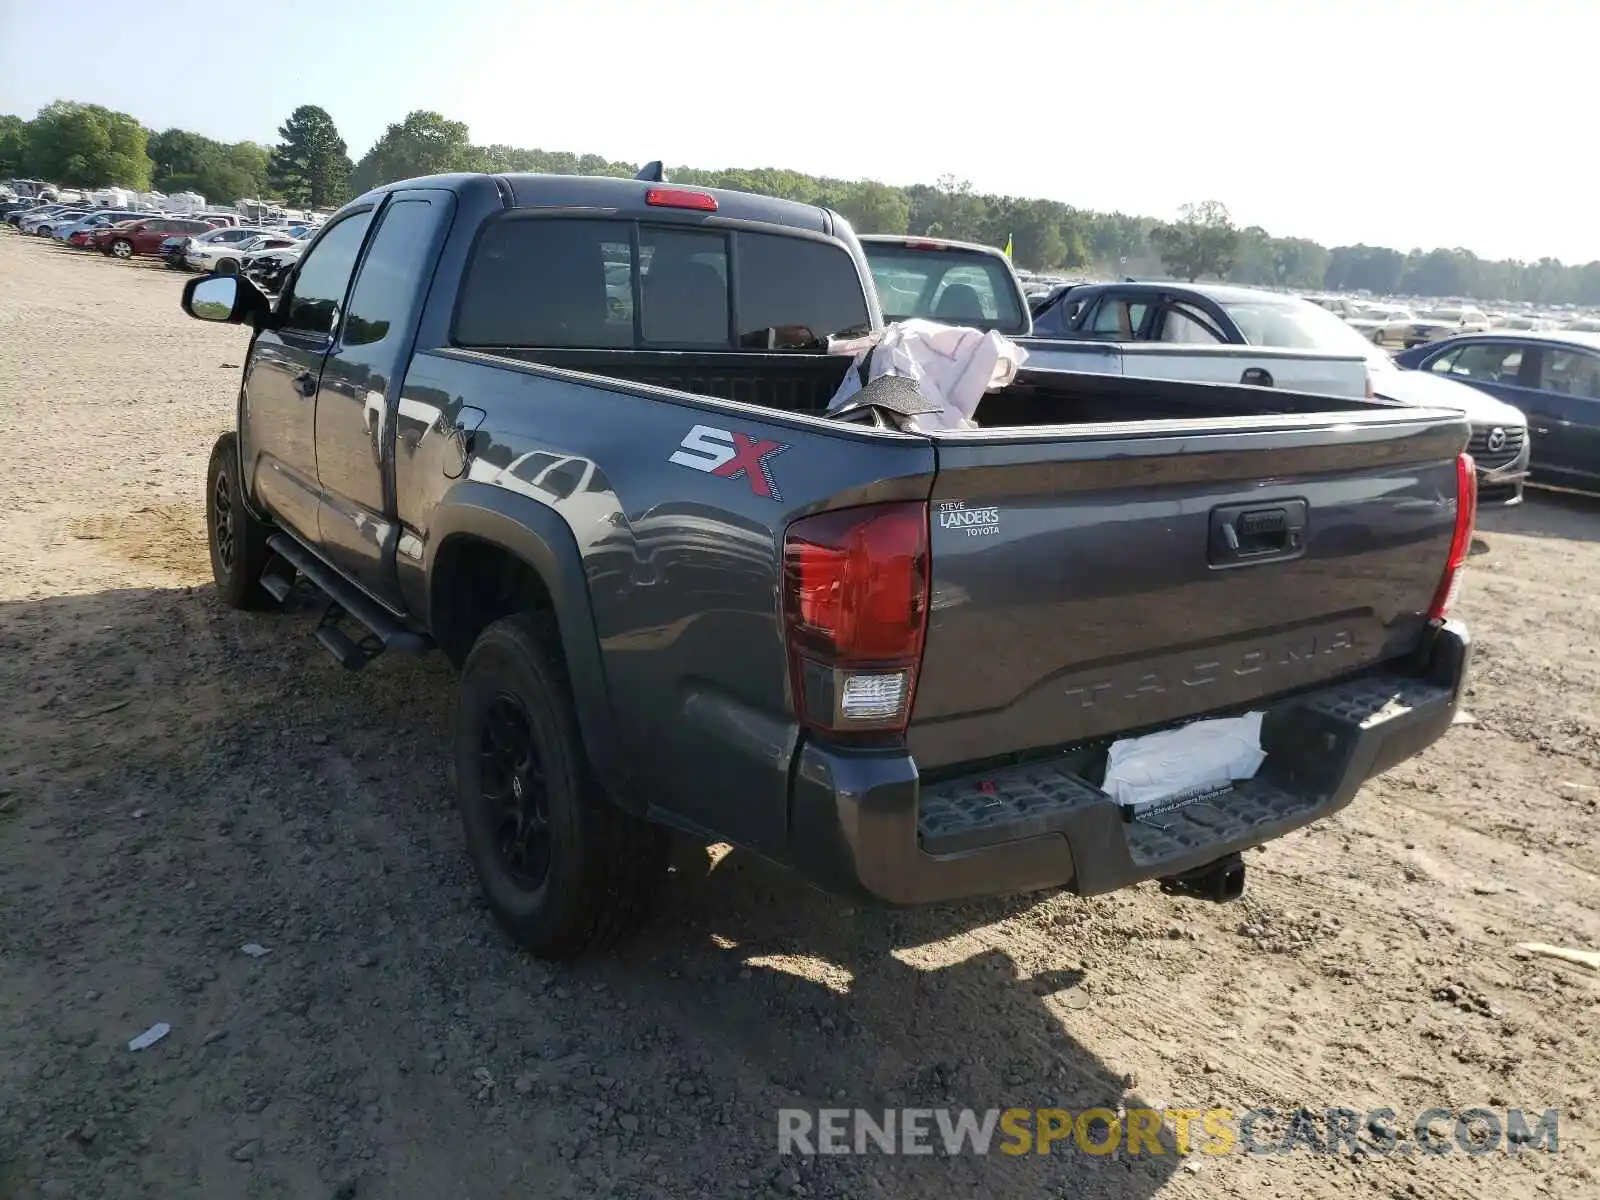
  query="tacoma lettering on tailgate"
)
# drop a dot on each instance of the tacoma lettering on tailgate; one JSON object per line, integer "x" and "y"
{"x": 1297, "y": 651}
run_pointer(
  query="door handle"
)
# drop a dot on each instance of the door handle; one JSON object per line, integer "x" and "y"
{"x": 1256, "y": 377}
{"x": 305, "y": 383}
{"x": 1246, "y": 533}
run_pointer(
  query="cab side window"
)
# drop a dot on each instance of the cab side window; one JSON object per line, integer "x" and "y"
{"x": 319, "y": 286}
{"x": 1048, "y": 320}
{"x": 1184, "y": 323}
{"x": 390, "y": 274}
{"x": 1491, "y": 362}
{"x": 1117, "y": 319}
{"x": 1571, "y": 373}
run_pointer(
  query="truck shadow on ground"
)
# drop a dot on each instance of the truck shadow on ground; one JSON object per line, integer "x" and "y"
{"x": 176, "y": 779}
{"x": 863, "y": 1007}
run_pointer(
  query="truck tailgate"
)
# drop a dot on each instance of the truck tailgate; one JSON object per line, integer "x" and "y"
{"x": 1104, "y": 580}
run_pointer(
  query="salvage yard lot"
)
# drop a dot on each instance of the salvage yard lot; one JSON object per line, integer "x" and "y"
{"x": 177, "y": 780}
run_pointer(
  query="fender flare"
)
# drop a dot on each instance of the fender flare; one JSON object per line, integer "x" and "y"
{"x": 540, "y": 537}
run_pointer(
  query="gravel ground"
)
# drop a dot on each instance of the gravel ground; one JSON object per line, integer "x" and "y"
{"x": 178, "y": 781}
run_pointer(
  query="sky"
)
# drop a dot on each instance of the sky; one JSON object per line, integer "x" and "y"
{"x": 1409, "y": 123}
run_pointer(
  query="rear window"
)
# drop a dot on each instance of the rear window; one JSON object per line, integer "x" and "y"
{"x": 1294, "y": 325}
{"x": 560, "y": 282}
{"x": 794, "y": 293}
{"x": 958, "y": 287}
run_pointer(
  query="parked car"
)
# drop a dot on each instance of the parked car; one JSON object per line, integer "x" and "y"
{"x": 270, "y": 268}
{"x": 1553, "y": 376}
{"x": 1383, "y": 325}
{"x": 975, "y": 285}
{"x": 100, "y": 218}
{"x": 1438, "y": 323}
{"x": 33, "y": 211}
{"x": 225, "y": 257}
{"x": 890, "y": 661}
{"x": 30, "y": 208}
{"x": 145, "y": 236}
{"x": 1339, "y": 306}
{"x": 1177, "y": 328}
{"x": 40, "y": 226}
{"x": 176, "y": 249}
{"x": 1237, "y": 316}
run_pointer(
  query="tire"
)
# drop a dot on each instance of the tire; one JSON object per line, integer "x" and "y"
{"x": 563, "y": 870}
{"x": 227, "y": 267}
{"x": 121, "y": 248}
{"x": 237, "y": 540}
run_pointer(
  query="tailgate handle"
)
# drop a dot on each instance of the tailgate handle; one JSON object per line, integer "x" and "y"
{"x": 1252, "y": 533}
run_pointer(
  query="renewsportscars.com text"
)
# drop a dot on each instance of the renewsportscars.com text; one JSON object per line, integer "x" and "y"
{"x": 1139, "y": 1131}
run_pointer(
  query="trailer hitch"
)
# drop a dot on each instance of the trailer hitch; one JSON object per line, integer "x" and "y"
{"x": 1219, "y": 881}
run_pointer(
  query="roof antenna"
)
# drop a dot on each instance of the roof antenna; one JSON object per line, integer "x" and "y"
{"x": 652, "y": 172}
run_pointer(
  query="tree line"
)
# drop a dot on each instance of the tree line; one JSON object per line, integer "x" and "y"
{"x": 90, "y": 146}
{"x": 309, "y": 167}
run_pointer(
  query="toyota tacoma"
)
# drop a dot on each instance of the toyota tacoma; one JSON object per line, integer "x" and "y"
{"x": 573, "y": 434}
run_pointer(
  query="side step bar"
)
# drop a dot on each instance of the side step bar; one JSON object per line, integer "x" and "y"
{"x": 383, "y": 630}
{"x": 278, "y": 578}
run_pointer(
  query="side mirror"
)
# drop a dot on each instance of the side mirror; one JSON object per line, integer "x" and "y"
{"x": 229, "y": 298}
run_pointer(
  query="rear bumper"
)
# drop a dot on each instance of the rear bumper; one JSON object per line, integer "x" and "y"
{"x": 863, "y": 823}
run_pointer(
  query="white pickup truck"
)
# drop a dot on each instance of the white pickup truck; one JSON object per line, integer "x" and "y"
{"x": 967, "y": 284}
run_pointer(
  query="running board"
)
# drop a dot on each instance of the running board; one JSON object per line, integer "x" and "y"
{"x": 383, "y": 629}
{"x": 278, "y": 578}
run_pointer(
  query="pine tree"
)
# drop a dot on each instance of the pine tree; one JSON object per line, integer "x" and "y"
{"x": 309, "y": 166}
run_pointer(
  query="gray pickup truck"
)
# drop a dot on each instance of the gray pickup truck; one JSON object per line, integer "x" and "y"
{"x": 571, "y": 432}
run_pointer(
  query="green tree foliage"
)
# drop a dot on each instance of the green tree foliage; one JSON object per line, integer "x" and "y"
{"x": 309, "y": 166}
{"x": 1202, "y": 241}
{"x": 13, "y": 144}
{"x": 1364, "y": 268}
{"x": 220, "y": 172}
{"x": 1262, "y": 260}
{"x": 425, "y": 143}
{"x": 873, "y": 208}
{"x": 85, "y": 145}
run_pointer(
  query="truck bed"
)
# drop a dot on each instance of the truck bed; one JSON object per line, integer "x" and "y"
{"x": 804, "y": 383}
{"x": 1082, "y": 581}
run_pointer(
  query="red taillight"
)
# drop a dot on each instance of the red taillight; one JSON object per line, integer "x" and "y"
{"x": 681, "y": 198}
{"x": 855, "y": 606}
{"x": 1461, "y": 539}
{"x": 924, "y": 245}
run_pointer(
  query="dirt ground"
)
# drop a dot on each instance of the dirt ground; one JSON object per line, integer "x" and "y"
{"x": 177, "y": 781}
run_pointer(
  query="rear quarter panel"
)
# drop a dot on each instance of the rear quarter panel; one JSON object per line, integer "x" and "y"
{"x": 682, "y": 566}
